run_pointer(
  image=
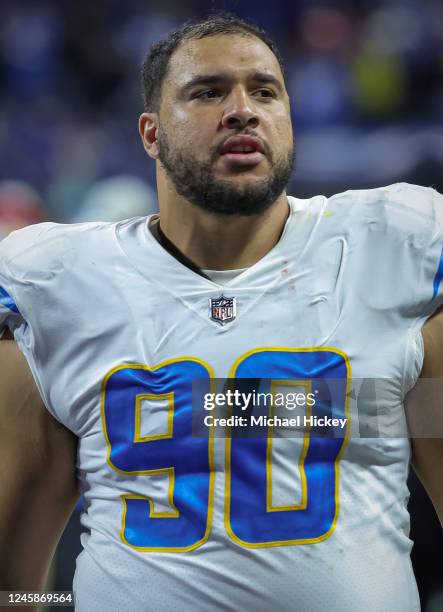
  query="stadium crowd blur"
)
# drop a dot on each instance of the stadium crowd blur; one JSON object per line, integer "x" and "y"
{"x": 365, "y": 78}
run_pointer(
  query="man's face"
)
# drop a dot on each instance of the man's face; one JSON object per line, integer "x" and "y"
{"x": 225, "y": 134}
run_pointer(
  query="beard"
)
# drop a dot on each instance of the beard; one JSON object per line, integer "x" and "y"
{"x": 194, "y": 180}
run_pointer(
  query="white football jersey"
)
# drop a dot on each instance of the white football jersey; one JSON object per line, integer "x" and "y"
{"x": 116, "y": 330}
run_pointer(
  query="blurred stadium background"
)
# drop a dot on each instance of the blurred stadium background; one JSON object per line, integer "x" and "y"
{"x": 366, "y": 82}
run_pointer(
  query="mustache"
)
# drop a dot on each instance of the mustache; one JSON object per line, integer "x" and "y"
{"x": 247, "y": 132}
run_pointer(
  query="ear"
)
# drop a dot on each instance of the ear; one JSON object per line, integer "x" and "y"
{"x": 148, "y": 129}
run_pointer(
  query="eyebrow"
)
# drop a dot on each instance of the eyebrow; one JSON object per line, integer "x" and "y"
{"x": 218, "y": 79}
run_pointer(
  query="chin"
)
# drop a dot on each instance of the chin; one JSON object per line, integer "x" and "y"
{"x": 247, "y": 177}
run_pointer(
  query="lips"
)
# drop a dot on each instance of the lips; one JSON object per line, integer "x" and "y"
{"x": 241, "y": 145}
{"x": 242, "y": 150}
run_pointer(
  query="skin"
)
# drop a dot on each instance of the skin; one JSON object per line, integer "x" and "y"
{"x": 37, "y": 474}
{"x": 38, "y": 455}
{"x": 237, "y": 105}
{"x": 424, "y": 408}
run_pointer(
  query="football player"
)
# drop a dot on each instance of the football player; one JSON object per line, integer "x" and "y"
{"x": 233, "y": 280}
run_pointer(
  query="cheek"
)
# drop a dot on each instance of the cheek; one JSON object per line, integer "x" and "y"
{"x": 187, "y": 133}
{"x": 282, "y": 130}
{"x": 193, "y": 127}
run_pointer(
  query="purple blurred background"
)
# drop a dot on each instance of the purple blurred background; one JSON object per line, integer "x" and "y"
{"x": 365, "y": 78}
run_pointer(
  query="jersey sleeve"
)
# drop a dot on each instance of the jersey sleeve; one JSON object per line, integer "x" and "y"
{"x": 400, "y": 251}
{"x": 10, "y": 311}
{"x": 24, "y": 272}
{"x": 17, "y": 282}
{"x": 427, "y": 238}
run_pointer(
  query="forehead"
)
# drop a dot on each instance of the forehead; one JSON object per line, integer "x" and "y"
{"x": 235, "y": 54}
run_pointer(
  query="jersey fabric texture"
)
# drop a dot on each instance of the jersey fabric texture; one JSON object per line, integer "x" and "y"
{"x": 115, "y": 329}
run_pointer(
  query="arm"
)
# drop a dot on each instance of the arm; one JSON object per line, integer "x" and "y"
{"x": 37, "y": 477}
{"x": 424, "y": 410}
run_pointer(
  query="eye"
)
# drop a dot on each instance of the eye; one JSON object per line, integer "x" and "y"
{"x": 265, "y": 93}
{"x": 209, "y": 94}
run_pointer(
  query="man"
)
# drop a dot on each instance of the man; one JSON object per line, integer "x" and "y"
{"x": 236, "y": 280}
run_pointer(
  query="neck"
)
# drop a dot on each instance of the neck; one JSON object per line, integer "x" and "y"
{"x": 222, "y": 242}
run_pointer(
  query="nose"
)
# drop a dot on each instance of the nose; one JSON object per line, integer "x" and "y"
{"x": 240, "y": 111}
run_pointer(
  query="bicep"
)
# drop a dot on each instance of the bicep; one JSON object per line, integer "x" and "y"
{"x": 37, "y": 474}
{"x": 424, "y": 410}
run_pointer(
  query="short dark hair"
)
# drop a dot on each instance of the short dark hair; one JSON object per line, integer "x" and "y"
{"x": 156, "y": 64}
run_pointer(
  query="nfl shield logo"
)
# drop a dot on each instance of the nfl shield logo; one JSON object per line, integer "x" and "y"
{"x": 222, "y": 310}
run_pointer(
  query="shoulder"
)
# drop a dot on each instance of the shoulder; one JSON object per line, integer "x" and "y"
{"x": 401, "y": 206}
{"x": 409, "y": 195}
{"x": 393, "y": 238}
{"x": 397, "y": 205}
{"x": 45, "y": 249}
